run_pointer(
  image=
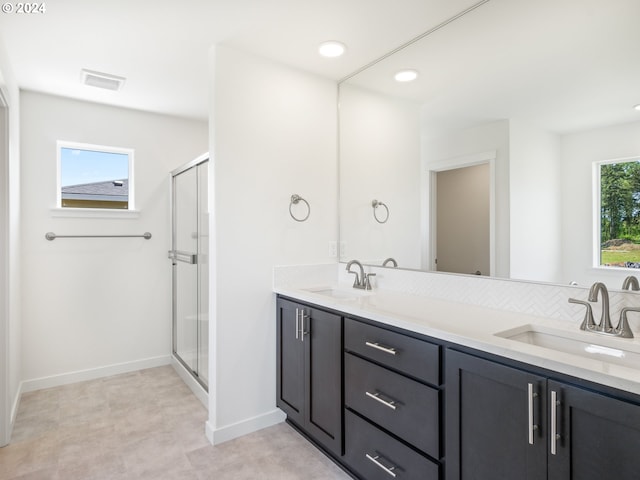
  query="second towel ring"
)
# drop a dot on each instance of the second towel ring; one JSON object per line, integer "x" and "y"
{"x": 295, "y": 199}
{"x": 375, "y": 204}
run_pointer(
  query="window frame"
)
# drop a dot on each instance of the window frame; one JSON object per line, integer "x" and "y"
{"x": 60, "y": 144}
{"x": 597, "y": 212}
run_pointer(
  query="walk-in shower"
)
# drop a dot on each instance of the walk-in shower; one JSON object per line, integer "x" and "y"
{"x": 190, "y": 270}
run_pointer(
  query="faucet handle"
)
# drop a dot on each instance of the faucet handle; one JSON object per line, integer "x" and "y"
{"x": 623, "y": 330}
{"x": 367, "y": 281}
{"x": 588, "y": 323}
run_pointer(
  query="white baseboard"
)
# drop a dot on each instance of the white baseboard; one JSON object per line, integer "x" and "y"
{"x": 92, "y": 373}
{"x": 13, "y": 413}
{"x": 197, "y": 389}
{"x": 223, "y": 434}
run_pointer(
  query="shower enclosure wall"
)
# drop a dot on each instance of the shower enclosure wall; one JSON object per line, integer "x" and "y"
{"x": 190, "y": 271}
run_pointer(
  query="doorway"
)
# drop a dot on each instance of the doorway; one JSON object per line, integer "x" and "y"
{"x": 462, "y": 216}
{"x": 190, "y": 267}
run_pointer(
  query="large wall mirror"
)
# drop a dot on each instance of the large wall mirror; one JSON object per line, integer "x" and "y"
{"x": 486, "y": 158}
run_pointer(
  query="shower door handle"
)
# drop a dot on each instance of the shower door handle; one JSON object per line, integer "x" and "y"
{"x": 186, "y": 257}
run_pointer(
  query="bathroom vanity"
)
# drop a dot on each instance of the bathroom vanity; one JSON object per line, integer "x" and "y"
{"x": 393, "y": 385}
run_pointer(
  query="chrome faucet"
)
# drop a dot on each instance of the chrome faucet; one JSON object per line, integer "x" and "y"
{"x": 622, "y": 328}
{"x": 391, "y": 261}
{"x": 362, "y": 281}
{"x": 605, "y": 321}
{"x": 631, "y": 283}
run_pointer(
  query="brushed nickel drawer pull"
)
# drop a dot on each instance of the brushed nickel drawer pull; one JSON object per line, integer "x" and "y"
{"x": 377, "y": 346}
{"x": 376, "y": 396}
{"x": 379, "y": 464}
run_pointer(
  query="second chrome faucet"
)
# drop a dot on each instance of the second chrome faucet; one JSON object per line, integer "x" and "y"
{"x": 361, "y": 281}
{"x": 599, "y": 289}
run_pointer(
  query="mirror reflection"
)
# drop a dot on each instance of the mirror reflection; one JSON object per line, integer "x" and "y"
{"x": 530, "y": 94}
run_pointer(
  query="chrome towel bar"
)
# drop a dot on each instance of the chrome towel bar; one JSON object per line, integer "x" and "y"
{"x": 52, "y": 236}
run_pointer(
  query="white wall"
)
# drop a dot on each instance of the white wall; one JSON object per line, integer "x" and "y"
{"x": 273, "y": 134}
{"x": 10, "y": 313}
{"x": 534, "y": 171}
{"x": 579, "y": 151}
{"x": 379, "y": 159}
{"x": 469, "y": 142}
{"x": 101, "y": 305}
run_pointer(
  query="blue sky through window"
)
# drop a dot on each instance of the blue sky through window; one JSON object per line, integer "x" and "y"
{"x": 87, "y": 166}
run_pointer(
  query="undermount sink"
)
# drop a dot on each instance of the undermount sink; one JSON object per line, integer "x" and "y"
{"x": 585, "y": 344}
{"x": 340, "y": 293}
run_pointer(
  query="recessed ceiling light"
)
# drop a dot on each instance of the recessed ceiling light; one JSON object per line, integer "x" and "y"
{"x": 406, "y": 75}
{"x": 102, "y": 80}
{"x": 332, "y": 49}
{"x": 637, "y": 107}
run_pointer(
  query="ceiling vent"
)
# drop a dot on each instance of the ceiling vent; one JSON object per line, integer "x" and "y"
{"x": 102, "y": 80}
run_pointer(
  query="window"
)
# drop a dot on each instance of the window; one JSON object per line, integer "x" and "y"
{"x": 95, "y": 177}
{"x": 618, "y": 195}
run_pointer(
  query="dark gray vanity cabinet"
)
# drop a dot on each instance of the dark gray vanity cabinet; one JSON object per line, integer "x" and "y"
{"x": 374, "y": 397}
{"x": 488, "y": 422}
{"x": 392, "y": 403}
{"x": 309, "y": 371}
{"x": 598, "y": 437}
{"x": 504, "y": 422}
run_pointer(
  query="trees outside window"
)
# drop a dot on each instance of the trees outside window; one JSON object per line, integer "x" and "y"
{"x": 619, "y": 205}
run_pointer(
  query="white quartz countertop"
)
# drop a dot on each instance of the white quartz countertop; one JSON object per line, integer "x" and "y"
{"x": 475, "y": 327}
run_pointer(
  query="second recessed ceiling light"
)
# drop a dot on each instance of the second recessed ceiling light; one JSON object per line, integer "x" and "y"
{"x": 406, "y": 75}
{"x": 332, "y": 49}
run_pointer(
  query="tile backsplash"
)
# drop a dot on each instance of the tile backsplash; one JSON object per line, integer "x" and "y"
{"x": 541, "y": 299}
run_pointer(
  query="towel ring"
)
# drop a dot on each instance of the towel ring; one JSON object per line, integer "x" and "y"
{"x": 375, "y": 204}
{"x": 295, "y": 199}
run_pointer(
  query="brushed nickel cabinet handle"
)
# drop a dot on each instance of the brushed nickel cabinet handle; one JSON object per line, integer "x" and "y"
{"x": 377, "y": 346}
{"x": 297, "y": 322}
{"x": 376, "y": 396}
{"x": 379, "y": 464}
{"x": 554, "y": 422}
{"x": 303, "y": 332}
{"x": 532, "y": 427}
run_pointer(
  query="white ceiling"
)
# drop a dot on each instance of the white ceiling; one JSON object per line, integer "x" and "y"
{"x": 161, "y": 46}
{"x": 564, "y": 66}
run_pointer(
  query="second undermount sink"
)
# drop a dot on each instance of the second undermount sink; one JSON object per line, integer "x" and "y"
{"x": 584, "y": 344}
{"x": 342, "y": 293}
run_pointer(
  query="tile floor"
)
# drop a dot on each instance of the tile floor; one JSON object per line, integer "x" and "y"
{"x": 144, "y": 425}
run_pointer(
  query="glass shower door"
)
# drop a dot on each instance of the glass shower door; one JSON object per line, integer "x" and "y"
{"x": 190, "y": 270}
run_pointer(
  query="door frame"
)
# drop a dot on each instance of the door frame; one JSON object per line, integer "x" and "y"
{"x": 5, "y": 277}
{"x": 429, "y": 253}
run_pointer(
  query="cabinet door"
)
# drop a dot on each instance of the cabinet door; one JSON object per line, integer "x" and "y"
{"x": 598, "y": 437}
{"x": 322, "y": 338}
{"x": 494, "y": 426}
{"x": 290, "y": 362}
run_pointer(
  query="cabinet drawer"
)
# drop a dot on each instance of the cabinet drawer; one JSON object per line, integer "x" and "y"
{"x": 409, "y": 355}
{"x": 402, "y": 406}
{"x": 369, "y": 451}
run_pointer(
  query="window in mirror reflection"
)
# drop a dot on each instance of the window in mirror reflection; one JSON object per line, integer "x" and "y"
{"x": 619, "y": 206}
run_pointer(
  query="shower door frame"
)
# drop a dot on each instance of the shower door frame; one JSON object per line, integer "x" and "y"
{"x": 204, "y": 158}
